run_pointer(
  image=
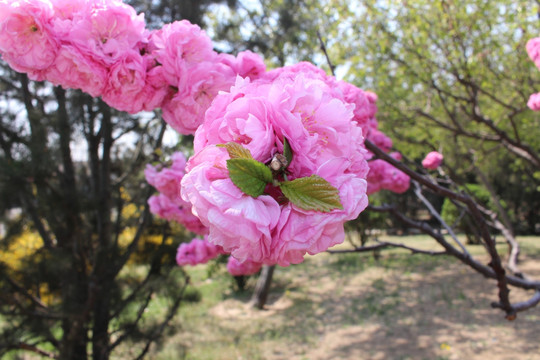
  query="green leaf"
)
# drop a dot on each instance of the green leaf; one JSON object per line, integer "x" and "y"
{"x": 287, "y": 151}
{"x": 312, "y": 193}
{"x": 236, "y": 150}
{"x": 249, "y": 175}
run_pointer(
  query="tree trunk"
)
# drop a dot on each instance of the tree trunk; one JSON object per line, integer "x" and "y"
{"x": 263, "y": 287}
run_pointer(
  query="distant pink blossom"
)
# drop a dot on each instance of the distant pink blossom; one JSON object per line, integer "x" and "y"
{"x": 167, "y": 180}
{"x": 533, "y": 49}
{"x": 534, "y": 102}
{"x": 198, "y": 251}
{"x": 168, "y": 204}
{"x": 27, "y": 43}
{"x": 237, "y": 268}
{"x": 364, "y": 101}
{"x": 380, "y": 139}
{"x": 432, "y": 160}
{"x": 383, "y": 176}
{"x": 245, "y": 64}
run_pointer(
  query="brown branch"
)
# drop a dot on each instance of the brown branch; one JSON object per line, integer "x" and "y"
{"x": 36, "y": 301}
{"x": 32, "y": 348}
{"x": 413, "y": 250}
{"x": 521, "y": 306}
{"x": 432, "y": 211}
{"x": 323, "y": 49}
{"x": 359, "y": 249}
{"x": 468, "y": 260}
{"x": 168, "y": 318}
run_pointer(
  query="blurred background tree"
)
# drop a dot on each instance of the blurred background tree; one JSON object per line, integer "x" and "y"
{"x": 81, "y": 258}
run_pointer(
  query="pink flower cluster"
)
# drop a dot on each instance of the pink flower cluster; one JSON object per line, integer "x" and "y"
{"x": 298, "y": 104}
{"x": 197, "y": 251}
{"x": 168, "y": 204}
{"x": 432, "y": 160}
{"x": 533, "y": 49}
{"x": 103, "y": 48}
{"x": 383, "y": 176}
{"x": 237, "y": 268}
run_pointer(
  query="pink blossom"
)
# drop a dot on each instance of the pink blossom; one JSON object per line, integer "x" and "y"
{"x": 380, "y": 139}
{"x": 533, "y": 49}
{"x": 133, "y": 85}
{"x": 198, "y": 251}
{"x": 107, "y": 31}
{"x": 167, "y": 180}
{"x": 69, "y": 9}
{"x": 325, "y": 141}
{"x": 432, "y": 160}
{"x": 26, "y": 40}
{"x": 178, "y": 47}
{"x": 245, "y": 64}
{"x": 534, "y": 102}
{"x": 180, "y": 212}
{"x": 364, "y": 101}
{"x": 185, "y": 110}
{"x": 168, "y": 204}
{"x": 242, "y": 225}
{"x": 237, "y": 268}
{"x": 71, "y": 69}
{"x": 383, "y": 176}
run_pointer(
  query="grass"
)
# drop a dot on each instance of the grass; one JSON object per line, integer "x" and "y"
{"x": 330, "y": 294}
{"x": 349, "y": 306}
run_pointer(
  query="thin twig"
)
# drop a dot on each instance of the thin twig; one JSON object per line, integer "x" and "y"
{"x": 435, "y": 213}
{"x": 358, "y": 249}
{"x": 323, "y": 49}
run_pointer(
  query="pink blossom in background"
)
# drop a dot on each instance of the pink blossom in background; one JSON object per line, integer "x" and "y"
{"x": 533, "y": 49}
{"x": 197, "y": 251}
{"x": 178, "y": 211}
{"x": 383, "y": 176}
{"x": 167, "y": 180}
{"x": 27, "y": 43}
{"x": 71, "y": 69}
{"x": 245, "y": 64}
{"x": 534, "y": 102}
{"x": 168, "y": 204}
{"x": 325, "y": 141}
{"x": 364, "y": 101}
{"x": 432, "y": 160}
{"x": 380, "y": 139}
{"x": 237, "y": 268}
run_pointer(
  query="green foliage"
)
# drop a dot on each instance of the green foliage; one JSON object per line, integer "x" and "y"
{"x": 312, "y": 193}
{"x": 236, "y": 150}
{"x": 250, "y": 176}
{"x": 454, "y": 78}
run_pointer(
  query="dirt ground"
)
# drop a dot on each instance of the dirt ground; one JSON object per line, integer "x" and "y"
{"x": 393, "y": 311}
